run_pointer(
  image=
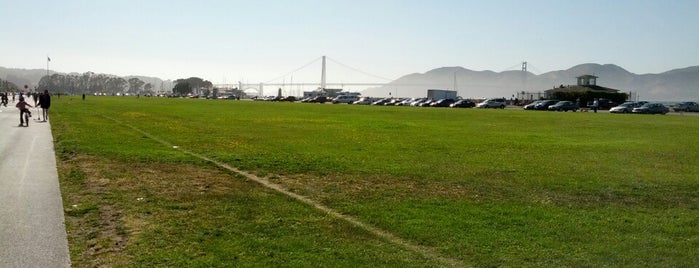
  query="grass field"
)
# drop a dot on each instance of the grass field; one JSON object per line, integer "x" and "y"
{"x": 460, "y": 187}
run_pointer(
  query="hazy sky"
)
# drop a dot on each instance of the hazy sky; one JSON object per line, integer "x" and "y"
{"x": 256, "y": 41}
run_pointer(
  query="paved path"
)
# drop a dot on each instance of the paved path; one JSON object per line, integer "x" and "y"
{"x": 32, "y": 229}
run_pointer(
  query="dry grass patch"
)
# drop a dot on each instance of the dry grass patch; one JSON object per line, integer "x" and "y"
{"x": 104, "y": 215}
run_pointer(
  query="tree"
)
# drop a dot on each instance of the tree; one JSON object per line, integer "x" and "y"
{"x": 84, "y": 82}
{"x": 8, "y": 86}
{"x": 182, "y": 88}
{"x": 135, "y": 85}
{"x": 148, "y": 88}
{"x": 115, "y": 85}
{"x": 196, "y": 83}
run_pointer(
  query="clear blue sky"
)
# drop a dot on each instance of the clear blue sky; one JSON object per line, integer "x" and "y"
{"x": 255, "y": 41}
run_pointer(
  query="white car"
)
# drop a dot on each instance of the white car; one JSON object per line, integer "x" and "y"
{"x": 363, "y": 101}
{"x": 492, "y": 103}
{"x": 345, "y": 99}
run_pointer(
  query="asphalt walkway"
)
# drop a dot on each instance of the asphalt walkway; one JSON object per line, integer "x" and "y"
{"x": 32, "y": 226}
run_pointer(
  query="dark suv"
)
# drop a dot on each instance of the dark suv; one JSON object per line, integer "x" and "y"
{"x": 603, "y": 104}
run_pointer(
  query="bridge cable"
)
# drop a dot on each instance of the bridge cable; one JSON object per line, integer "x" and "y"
{"x": 297, "y": 69}
{"x": 513, "y": 67}
{"x": 531, "y": 66}
{"x": 360, "y": 71}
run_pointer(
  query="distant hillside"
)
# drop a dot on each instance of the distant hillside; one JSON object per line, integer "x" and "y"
{"x": 21, "y": 77}
{"x": 31, "y": 77}
{"x": 679, "y": 84}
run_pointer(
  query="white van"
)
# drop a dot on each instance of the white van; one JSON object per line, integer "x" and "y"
{"x": 345, "y": 99}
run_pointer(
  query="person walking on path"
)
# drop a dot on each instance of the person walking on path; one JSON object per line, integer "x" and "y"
{"x": 45, "y": 103}
{"x": 4, "y": 99}
{"x": 35, "y": 96}
{"x": 22, "y": 106}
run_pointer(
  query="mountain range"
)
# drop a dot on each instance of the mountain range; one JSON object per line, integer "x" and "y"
{"x": 674, "y": 85}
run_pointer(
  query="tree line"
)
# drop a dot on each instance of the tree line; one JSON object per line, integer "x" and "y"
{"x": 198, "y": 86}
{"x": 91, "y": 83}
{"x": 7, "y": 86}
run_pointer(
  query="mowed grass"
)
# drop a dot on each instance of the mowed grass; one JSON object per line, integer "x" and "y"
{"x": 482, "y": 187}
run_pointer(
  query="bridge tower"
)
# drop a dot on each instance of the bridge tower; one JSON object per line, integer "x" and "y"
{"x": 322, "y": 76}
{"x": 524, "y": 76}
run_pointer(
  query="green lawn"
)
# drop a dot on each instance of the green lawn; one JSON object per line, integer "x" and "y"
{"x": 480, "y": 187}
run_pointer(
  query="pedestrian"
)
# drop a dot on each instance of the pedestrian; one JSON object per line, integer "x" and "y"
{"x": 45, "y": 103}
{"x": 83, "y": 96}
{"x": 4, "y": 99}
{"x": 22, "y": 106}
{"x": 35, "y": 96}
{"x": 595, "y": 105}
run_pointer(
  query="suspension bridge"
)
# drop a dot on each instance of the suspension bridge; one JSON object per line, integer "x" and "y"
{"x": 259, "y": 88}
{"x": 322, "y": 84}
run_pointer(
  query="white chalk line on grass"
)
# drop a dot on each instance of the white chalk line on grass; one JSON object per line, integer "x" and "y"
{"x": 425, "y": 251}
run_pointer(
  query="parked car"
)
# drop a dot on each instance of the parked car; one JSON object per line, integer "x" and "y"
{"x": 531, "y": 106}
{"x": 492, "y": 103}
{"x": 381, "y": 101}
{"x": 288, "y": 98}
{"x": 544, "y": 104}
{"x": 417, "y": 102}
{"x": 625, "y": 107}
{"x": 406, "y": 102}
{"x": 602, "y": 104}
{"x": 393, "y": 102}
{"x": 345, "y": 99}
{"x": 364, "y": 101}
{"x": 687, "y": 106}
{"x": 319, "y": 99}
{"x": 425, "y": 103}
{"x": 564, "y": 106}
{"x": 442, "y": 103}
{"x": 462, "y": 104}
{"x": 651, "y": 108}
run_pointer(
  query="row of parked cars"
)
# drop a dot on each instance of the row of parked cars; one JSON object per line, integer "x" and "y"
{"x": 687, "y": 106}
{"x": 642, "y": 107}
{"x": 552, "y": 105}
{"x": 658, "y": 108}
{"x": 416, "y": 102}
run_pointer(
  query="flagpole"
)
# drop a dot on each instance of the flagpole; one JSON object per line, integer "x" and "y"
{"x": 48, "y": 78}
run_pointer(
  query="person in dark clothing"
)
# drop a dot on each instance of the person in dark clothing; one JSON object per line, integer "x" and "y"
{"x": 45, "y": 103}
{"x": 22, "y": 106}
{"x": 35, "y": 96}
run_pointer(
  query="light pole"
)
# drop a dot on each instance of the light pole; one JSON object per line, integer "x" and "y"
{"x": 48, "y": 78}
{"x": 87, "y": 87}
